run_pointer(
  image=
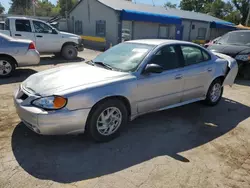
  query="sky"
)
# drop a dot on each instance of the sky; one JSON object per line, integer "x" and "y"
{"x": 6, "y": 3}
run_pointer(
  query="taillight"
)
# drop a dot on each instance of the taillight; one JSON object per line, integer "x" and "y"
{"x": 32, "y": 46}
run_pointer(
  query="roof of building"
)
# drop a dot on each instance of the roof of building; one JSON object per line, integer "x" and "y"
{"x": 128, "y": 5}
{"x": 158, "y": 41}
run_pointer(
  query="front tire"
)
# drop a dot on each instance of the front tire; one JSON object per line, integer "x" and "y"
{"x": 7, "y": 67}
{"x": 69, "y": 52}
{"x": 107, "y": 119}
{"x": 214, "y": 93}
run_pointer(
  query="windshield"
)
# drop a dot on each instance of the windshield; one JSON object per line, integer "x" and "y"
{"x": 124, "y": 56}
{"x": 240, "y": 38}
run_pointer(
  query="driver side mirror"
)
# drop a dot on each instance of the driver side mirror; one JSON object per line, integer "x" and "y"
{"x": 153, "y": 68}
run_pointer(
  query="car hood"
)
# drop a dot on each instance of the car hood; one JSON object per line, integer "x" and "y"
{"x": 231, "y": 50}
{"x": 65, "y": 34}
{"x": 54, "y": 81}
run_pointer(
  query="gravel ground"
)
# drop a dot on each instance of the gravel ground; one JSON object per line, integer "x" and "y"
{"x": 190, "y": 146}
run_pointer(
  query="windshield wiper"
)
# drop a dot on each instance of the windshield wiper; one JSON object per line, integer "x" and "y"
{"x": 104, "y": 65}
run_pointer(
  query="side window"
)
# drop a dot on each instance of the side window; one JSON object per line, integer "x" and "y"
{"x": 23, "y": 25}
{"x": 167, "y": 58}
{"x": 101, "y": 28}
{"x": 194, "y": 55}
{"x": 41, "y": 27}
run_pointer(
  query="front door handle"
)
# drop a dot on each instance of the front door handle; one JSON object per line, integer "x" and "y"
{"x": 178, "y": 77}
{"x": 209, "y": 69}
{"x": 18, "y": 35}
{"x": 39, "y": 36}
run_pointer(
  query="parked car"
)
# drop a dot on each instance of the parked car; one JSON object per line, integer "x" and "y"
{"x": 47, "y": 39}
{"x": 126, "y": 81}
{"x": 209, "y": 43}
{"x": 16, "y": 53}
{"x": 237, "y": 45}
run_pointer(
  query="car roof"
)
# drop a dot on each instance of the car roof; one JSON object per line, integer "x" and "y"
{"x": 25, "y": 18}
{"x": 157, "y": 42}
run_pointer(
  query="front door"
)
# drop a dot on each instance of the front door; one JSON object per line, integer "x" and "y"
{"x": 47, "y": 39}
{"x": 156, "y": 91}
{"x": 197, "y": 72}
{"x": 23, "y": 30}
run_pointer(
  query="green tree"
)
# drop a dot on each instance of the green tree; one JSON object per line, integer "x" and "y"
{"x": 2, "y": 9}
{"x": 20, "y": 6}
{"x": 243, "y": 7}
{"x": 46, "y": 8}
{"x": 66, "y": 5}
{"x": 170, "y": 5}
{"x": 195, "y": 5}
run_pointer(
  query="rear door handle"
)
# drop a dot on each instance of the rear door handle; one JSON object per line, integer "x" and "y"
{"x": 178, "y": 77}
{"x": 209, "y": 69}
{"x": 18, "y": 35}
{"x": 39, "y": 36}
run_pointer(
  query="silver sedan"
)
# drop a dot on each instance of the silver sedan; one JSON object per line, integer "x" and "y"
{"x": 128, "y": 80}
{"x": 15, "y": 53}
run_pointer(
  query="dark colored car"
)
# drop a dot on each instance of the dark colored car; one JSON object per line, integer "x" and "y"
{"x": 237, "y": 45}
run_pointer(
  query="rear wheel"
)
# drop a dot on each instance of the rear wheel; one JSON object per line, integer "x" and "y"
{"x": 69, "y": 52}
{"x": 107, "y": 119}
{"x": 7, "y": 67}
{"x": 214, "y": 93}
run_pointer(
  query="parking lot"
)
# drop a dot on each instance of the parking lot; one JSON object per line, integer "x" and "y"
{"x": 189, "y": 146}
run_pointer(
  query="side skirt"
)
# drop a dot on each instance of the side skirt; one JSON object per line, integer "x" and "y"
{"x": 168, "y": 107}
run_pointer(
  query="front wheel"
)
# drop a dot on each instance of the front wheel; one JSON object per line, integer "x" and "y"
{"x": 107, "y": 119}
{"x": 69, "y": 52}
{"x": 214, "y": 93}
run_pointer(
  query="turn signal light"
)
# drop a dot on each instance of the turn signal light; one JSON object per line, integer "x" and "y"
{"x": 59, "y": 102}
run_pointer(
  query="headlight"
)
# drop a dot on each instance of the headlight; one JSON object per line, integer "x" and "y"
{"x": 50, "y": 103}
{"x": 243, "y": 57}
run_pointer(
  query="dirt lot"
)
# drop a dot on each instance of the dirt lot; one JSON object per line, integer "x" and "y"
{"x": 190, "y": 146}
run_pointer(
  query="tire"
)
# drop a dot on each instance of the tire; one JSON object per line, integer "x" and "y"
{"x": 103, "y": 132}
{"x": 213, "y": 97}
{"x": 7, "y": 67}
{"x": 69, "y": 52}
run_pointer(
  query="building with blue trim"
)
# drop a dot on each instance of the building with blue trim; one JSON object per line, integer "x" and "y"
{"x": 118, "y": 20}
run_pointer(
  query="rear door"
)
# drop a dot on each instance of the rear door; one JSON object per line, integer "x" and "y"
{"x": 47, "y": 39}
{"x": 197, "y": 72}
{"x": 22, "y": 29}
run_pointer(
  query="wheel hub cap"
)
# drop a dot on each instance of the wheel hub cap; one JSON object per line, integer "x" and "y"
{"x": 215, "y": 92}
{"x": 5, "y": 67}
{"x": 109, "y": 121}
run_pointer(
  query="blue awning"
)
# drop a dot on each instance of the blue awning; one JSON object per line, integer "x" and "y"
{"x": 225, "y": 25}
{"x": 132, "y": 15}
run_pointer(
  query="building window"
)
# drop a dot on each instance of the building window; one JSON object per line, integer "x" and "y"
{"x": 202, "y": 33}
{"x": 101, "y": 28}
{"x": 78, "y": 27}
